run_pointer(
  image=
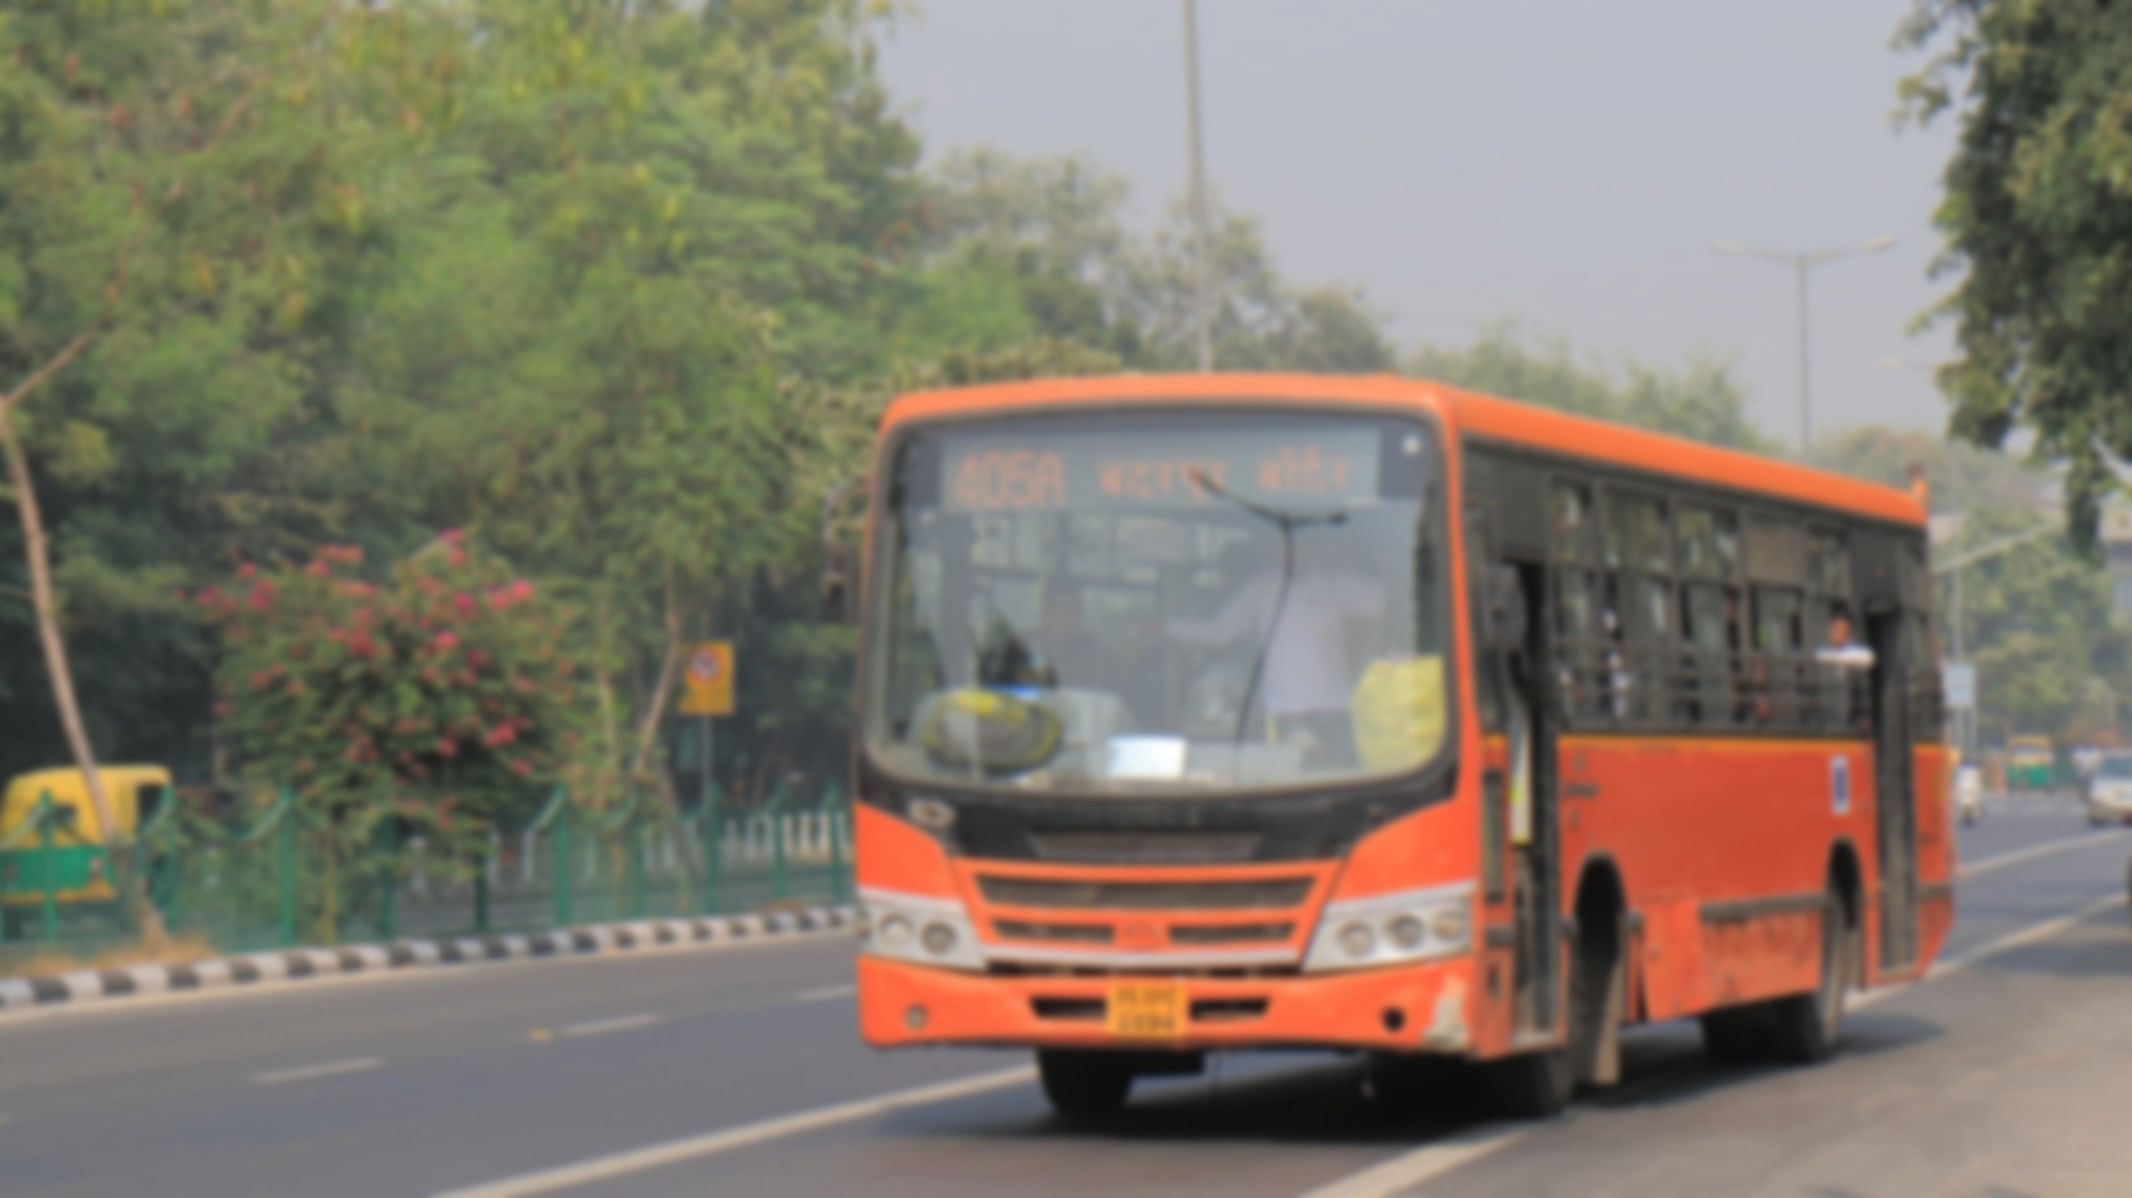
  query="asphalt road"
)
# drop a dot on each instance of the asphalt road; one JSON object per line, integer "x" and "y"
{"x": 738, "y": 1071}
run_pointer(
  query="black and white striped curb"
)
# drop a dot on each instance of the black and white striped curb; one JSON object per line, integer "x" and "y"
{"x": 291, "y": 965}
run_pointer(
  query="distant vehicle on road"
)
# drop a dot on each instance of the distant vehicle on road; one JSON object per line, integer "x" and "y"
{"x": 2031, "y": 763}
{"x": 1264, "y": 711}
{"x": 2110, "y": 793}
{"x": 78, "y": 862}
{"x": 1969, "y": 793}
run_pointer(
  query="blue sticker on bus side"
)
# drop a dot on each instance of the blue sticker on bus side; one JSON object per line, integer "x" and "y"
{"x": 1839, "y": 784}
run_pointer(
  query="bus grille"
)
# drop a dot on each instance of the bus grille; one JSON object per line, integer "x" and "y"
{"x": 1256, "y": 894}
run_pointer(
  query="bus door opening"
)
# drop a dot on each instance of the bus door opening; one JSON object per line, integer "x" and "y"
{"x": 1522, "y": 792}
{"x": 1893, "y": 787}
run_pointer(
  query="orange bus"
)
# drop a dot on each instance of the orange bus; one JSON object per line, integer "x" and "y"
{"x": 1272, "y": 711}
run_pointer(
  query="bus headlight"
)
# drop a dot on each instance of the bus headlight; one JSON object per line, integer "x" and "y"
{"x": 918, "y": 928}
{"x": 1410, "y": 925}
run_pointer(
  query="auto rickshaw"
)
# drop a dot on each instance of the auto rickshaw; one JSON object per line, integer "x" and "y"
{"x": 76, "y": 867}
{"x": 2031, "y": 763}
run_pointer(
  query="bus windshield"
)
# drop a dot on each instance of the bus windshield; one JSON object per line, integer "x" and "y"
{"x": 1118, "y": 603}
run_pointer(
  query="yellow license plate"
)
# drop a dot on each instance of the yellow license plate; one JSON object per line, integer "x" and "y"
{"x": 1146, "y": 1010}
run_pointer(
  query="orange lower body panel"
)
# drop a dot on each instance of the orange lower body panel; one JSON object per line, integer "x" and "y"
{"x": 1419, "y": 1007}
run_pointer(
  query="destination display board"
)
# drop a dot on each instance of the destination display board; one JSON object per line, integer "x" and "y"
{"x": 1051, "y": 469}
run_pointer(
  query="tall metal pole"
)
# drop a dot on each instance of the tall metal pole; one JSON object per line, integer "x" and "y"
{"x": 1965, "y": 738}
{"x": 1800, "y": 264}
{"x": 1203, "y": 319}
{"x": 1806, "y": 420}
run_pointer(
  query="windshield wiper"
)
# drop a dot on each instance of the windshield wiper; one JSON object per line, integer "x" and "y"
{"x": 1286, "y": 522}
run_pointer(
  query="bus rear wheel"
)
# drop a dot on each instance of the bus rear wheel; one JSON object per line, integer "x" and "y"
{"x": 1806, "y": 1027}
{"x": 1084, "y": 1083}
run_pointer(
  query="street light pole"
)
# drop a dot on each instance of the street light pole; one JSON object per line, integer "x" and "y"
{"x": 1203, "y": 321}
{"x": 1806, "y": 401}
{"x": 1800, "y": 263}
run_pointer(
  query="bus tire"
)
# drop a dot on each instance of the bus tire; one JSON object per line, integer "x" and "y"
{"x": 1533, "y": 1085}
{"x": 1739, "y": 1036}
{"x": 1807, "y": 1027}
{"x": 1084, "y": 1083}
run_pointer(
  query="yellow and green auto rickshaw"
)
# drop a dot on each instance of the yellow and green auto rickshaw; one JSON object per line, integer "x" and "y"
{"x": 2031, "y": 763}
{"x": 50, "y": 838}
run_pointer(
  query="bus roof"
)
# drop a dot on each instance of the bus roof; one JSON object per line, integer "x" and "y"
{"x": 1466, "y": 411}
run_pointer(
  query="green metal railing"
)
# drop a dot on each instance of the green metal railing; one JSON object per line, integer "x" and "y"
{"x": 278, "y": 877}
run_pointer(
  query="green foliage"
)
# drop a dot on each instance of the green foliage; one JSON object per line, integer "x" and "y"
{"x": 620, "y": 289}
{"x": 1962, "y": 477}
{"x": 2037, "y": 622}
{"x": 441, "y": 693}
{"x": 2037, "y": 215}
{"x": 1700, "y": 401}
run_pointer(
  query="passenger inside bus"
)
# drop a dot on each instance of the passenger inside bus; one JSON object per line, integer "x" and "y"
{"x": 1068, "y": 654}
{"x": 1309, "y": 671}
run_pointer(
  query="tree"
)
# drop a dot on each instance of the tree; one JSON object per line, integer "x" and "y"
{"x": 2036, "y": 213}
{"x": 2037, "y": 621}
{"x": 1037, "y": 249}
{"x": 440, "y": 696}
{"x": 1260, "y": 321}
{"x": 167, "y": 192}
{"x": 1699, "y": 400}
{"x": 1961, "y": 477}
{"x": 608, "y": 345}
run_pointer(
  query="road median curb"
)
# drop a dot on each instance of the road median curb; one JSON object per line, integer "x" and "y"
{"x": 288, "y": 966}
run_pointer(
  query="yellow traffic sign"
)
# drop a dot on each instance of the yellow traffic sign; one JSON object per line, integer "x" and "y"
{"x": 707, "y": 684}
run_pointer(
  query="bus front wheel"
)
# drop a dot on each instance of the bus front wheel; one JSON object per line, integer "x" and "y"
{"x": 1084, "y": 1083}
{"x": 1534, "y": 1085}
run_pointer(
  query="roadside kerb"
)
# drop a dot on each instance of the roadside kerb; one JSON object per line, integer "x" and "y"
{"x": 294, "y": 965}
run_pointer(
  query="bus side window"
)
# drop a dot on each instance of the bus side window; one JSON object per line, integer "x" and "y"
{"x": 1577, "y": 599}
{"x": 1779, "y": 648}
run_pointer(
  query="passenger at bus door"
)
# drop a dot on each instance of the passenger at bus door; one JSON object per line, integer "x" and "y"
{"x": 1848, "y": 661}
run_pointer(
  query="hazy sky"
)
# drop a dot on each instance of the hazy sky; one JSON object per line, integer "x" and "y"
{"x": 1569, "y": 163}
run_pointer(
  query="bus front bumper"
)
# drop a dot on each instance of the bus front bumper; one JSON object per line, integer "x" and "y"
{"x": 1418, "y": 1007}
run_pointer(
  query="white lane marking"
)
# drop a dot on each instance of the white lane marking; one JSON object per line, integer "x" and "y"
{"x": 301, "y": 1073}
{"x": 826, "y": 993}
{"x": 621, "y": 1164}
{"x": 1434, "y": 1160}
{"x": 1422, "y": 1164}
{"x": 1979, "y": 868}
{"x": 620, "y": 1023}
{"x": 2012, "y": 940}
